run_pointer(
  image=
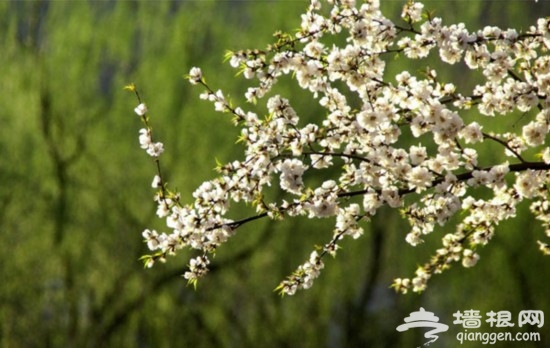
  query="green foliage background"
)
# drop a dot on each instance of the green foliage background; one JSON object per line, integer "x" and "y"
{"x": 75, "y": 192}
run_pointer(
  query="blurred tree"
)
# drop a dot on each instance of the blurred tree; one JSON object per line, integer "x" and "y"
{"x": 73, "y": 199}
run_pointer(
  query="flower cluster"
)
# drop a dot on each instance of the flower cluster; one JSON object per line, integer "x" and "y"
{"x": 340, "y": 55}
{"x": 303, "y": 277}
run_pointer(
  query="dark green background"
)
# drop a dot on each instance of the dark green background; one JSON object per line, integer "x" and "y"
{"x": 75, "y": 192}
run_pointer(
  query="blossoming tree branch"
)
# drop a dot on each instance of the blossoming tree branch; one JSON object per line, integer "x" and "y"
{"x": 341, "y": 51}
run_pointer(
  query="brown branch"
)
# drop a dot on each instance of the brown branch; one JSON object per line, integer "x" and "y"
{"x": 517, "y": 167}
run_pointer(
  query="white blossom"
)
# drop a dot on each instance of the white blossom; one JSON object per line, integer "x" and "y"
{"x": 291, "y": 175}
{"x": 361, "y": 138}
{"x": 152, "y": 239}
{"x": 472, "y": 133}
{"x": 144, "y": 138}
{"x": 156, "y": 182}
{"x": 534, "y": 133}
{"x": 195, "y": 75}
{"x": 528, "y": 183}
{"x": 154, "y": 150}
{"x": 141, "y": 109}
